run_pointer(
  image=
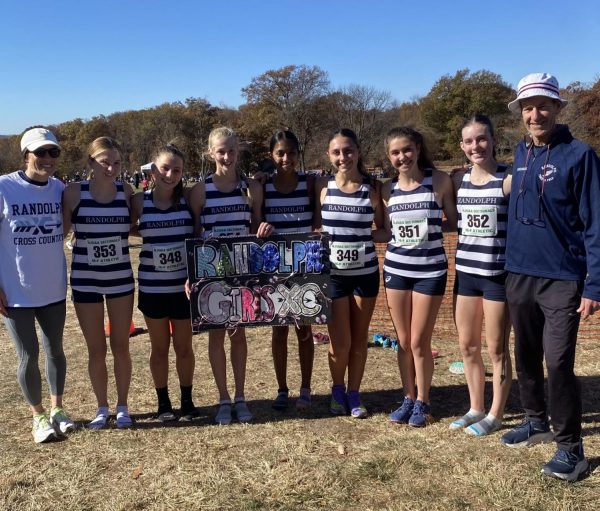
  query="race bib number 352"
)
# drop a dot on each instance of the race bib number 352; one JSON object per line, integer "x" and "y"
{"x": 479, "y": 220}
{"x": 409, "y": 232}
{"x": 347, "y": 255}
{"x": 169, "y": 257}
{"x": 104, "y": 251}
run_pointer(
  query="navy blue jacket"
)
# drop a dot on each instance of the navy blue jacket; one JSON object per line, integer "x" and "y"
{"x": 554, "y": 212}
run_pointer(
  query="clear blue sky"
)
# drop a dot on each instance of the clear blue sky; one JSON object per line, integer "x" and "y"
{"x": 74, "y": 58}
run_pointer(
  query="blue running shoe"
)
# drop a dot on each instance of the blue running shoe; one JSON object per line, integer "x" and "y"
{"x": 357, "y": 409}
{"x": 566, "y": 465}
{"x": 421, "y": 415}
{"x": 528, "y": 433}
{"x": 402, "y": 414}
{"x": 338, "y": 405}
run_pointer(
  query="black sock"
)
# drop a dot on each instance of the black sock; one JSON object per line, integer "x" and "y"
{"x": 186, "y": 397}
{"x": 164, "y": 403}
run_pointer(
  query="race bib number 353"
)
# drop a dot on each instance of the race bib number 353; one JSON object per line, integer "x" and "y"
{"x": 347, "y": 255}
{"x": 104, "y": 251}
{"x": 169, "y": 257}
{"x": 409, "y": 232}
{"x": 479, "y": 220}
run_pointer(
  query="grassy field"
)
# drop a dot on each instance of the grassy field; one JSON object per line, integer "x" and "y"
{"x": 281, "y": 460}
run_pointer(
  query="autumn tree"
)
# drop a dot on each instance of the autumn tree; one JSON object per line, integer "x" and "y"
{"x": 454, "y": 98}
{"x": 291, "y": 96}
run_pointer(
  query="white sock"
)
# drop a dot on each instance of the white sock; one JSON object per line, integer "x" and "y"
{"x": 485, "y": 426}
{"x": 471, "y": 417}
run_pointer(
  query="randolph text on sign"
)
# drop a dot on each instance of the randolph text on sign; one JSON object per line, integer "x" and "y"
{"x": 250, "y": 281}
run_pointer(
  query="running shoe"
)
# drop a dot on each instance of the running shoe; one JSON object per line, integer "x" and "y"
{"x": 61, "y": 421}
{"x": 528, "y": 433}
{"x": 402, "y": 414}
{"x": 42, "y": 430}
{"x": 421, "y": 415}
{"x": 566, "y": 465}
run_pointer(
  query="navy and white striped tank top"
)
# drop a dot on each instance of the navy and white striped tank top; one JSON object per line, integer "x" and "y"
{"x": 288, "y": 212}
{"x": 101, "y": 251}
{"x": 482, "y": 216}
{"x": 416, "y": 249}
{"x": 163, "y": 267}
{"x": 348, "y": 218}
{"x": 225, "y": 214}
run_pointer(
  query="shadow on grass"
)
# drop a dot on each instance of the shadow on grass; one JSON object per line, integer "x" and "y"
{"x": 447, "y": 401}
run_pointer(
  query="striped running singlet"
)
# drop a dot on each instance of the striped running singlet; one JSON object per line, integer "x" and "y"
{"x": 416, "y": 249}
{"x": 163, "y": 267}
{"x": 288, "y": 212}
{"x": 101, "y": 251}
{"x": 482, "y": 216}
{"x": 348, "y": 218}
{"x": 225, "y": 214}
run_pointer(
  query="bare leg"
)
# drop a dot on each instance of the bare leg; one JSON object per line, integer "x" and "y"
{"x": 185, "y": 360}
{"x": 361, "y": 311}
{"x": 239, "y": 355}
{"x": 497, "y": 331}
{"x": 279, "y": 350}
{"x": 424, "y": 314}
{"x": 119, "y": 313}
{"x": 160, "y": 340}
{"x": 216, "y": 355}
{"x": 339, "y": 334}
{"x": 91, "y": 322}
{"x": 468, "y": 315}
{"x": 400, "y": 307}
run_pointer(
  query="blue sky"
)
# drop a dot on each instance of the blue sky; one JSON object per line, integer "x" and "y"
{"x": 73, "y": 58}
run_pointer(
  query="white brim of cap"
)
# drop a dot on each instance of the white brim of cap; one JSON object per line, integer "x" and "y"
{"x": 515, "y": 105}
{"x": 40, "y": 143}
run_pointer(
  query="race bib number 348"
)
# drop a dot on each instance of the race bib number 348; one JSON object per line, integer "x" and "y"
{"x": 104, "y": 251}
{"x": 169, "y": 257}
{"x": 409, "y": 232}
{"x": 479, "y": 220}
{"x": 347, "y": 255}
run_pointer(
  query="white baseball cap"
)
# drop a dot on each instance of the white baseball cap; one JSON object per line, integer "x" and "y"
{"x": 37, "y": 137}
{"x": 536, "y": 84}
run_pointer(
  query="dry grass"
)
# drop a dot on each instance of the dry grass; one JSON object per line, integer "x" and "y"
{"x": 282, "y": 460}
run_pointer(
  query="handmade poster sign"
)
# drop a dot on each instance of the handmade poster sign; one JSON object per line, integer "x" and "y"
{"x": 248, "y": 281}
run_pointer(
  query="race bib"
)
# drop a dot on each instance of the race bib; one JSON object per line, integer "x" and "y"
{"x": 479, "y": 220}
{"x": 346, "y": 255}
{"x": 219, "y": 231}
{"x": 104, "y": 251}
{"x": 169, "y": 257}
{"x": 409, "y": 232}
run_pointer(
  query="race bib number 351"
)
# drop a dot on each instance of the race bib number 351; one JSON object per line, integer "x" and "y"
{"x": 169, "y": 257}
{"x": 479, "y": 220}
{"x": 104, "y": 251}
{"x": 409, "y": 232}
{"x": 347, "y": 255}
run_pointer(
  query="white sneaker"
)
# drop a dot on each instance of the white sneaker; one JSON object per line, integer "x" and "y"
{"x": 123, "y": 418}
{"x": 99, "y": 422}
{"x": 61, "y": 421}
{"x": 42, "y": 430}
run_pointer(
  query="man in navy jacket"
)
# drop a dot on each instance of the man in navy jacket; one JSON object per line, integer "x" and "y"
{"x": 553, "y": 260}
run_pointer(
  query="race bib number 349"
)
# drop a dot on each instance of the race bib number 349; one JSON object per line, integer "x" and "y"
{"x": 479, "y": 220}
{"x": 169, "y": 257}
{"x": 409, "y": 232}
{"x": 347, "y": 255}
{"x": 104, "y": 251}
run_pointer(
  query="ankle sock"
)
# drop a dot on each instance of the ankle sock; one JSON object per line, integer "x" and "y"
{"x": 485, "y": 426}
{"x": 471, "y": 417}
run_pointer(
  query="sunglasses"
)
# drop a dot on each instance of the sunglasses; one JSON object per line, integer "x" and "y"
{"x": 53, "y": 152}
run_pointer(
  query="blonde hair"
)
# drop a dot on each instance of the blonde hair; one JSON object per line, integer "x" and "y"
{"x": 221, "y": 132}
{"x": 103, "y": 144}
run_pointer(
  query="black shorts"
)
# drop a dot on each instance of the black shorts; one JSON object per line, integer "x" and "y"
{"x": 164, "y": 305}
{"x": 431, "y": 286}
{"x": 85, "y": 297}
{"x": 490, "y": 287}
{"x": 366, "y": 286}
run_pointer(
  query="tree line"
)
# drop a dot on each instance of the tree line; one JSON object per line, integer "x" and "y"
{"x": 302, "y": 99}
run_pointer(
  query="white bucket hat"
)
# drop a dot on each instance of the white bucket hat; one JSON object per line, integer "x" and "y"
{"x": 536, "y": 84}
{"x": 37, "y": 137}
